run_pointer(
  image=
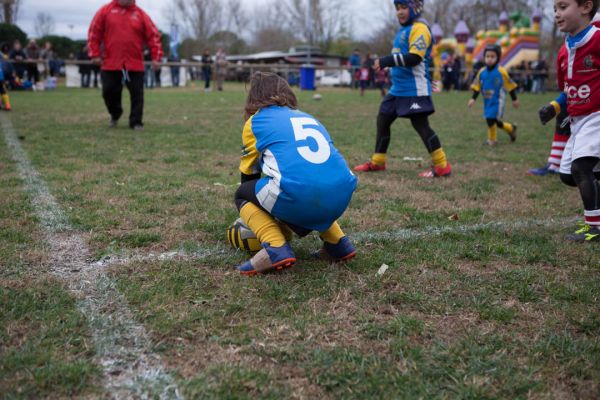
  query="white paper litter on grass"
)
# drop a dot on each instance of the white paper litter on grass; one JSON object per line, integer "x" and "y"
{"x": 382, "y": 269}
{"x": 413, "y": 158}
{"x": 224, "y": 184}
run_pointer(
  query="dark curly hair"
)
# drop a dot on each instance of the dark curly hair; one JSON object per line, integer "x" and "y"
{"x": 268, "y": 89}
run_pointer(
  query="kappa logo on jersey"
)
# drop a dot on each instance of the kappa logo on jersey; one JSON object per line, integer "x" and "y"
{"x": 588, "y": 62}
{"x": 420, "y": 43}
{"x": 415, "y": 106}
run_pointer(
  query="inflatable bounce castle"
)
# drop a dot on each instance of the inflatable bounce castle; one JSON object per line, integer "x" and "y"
{"x": 518, "y": 38}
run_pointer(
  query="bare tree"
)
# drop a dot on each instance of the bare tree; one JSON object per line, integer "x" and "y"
{"x": 10, "y": 11}
{"x": 321, "y": 24}
{"x": 44, "y": 24}
{"x": 271, "y": 31}
{"x": 200, "y": 18}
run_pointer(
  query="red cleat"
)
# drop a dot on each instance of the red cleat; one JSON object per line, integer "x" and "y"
{"x": 436, "y": 172}
{"x": 369, "y": 166}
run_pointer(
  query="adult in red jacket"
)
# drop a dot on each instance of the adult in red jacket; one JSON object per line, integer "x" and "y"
{"x": 116, "y": 39}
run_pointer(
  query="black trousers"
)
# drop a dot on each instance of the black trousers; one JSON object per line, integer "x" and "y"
{"x": 112, "y": 88}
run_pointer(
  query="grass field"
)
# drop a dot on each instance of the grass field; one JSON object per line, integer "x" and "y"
{"x": 482, "y": 299}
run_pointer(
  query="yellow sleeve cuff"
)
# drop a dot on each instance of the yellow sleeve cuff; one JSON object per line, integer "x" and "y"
{"x": 556, "y": 106}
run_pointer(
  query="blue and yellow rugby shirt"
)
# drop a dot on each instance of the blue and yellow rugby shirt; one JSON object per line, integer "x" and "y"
{"x": 493, "y": 85}
{"x": 307, "y": 181}
{"x": 412, "y": 81}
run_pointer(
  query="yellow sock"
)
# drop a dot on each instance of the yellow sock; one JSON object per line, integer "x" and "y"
{"x": 492, "y": 133}
{"x": 333, "y": 234}
{"x": 263, "y": 225}
{"x": 378, "y": 158}
{"x": 5, "y": 101}
{"x": 507, "y": 127}
{"x": 438, "y": 157}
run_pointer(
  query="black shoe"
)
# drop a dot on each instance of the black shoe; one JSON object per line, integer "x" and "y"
{"x": 138, "y": 127}
{"x": 113, "y": 123}
{"x": 585, "y": 234}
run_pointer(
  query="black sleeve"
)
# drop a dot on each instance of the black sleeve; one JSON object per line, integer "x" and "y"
{"x": 245, "y": 178}
{"x": 400, "y": 60}
{"x": 475, "y": 95}
{"x": 513, "y": 94}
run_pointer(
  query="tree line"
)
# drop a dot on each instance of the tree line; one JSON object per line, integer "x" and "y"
{"x": 240, "y": 27}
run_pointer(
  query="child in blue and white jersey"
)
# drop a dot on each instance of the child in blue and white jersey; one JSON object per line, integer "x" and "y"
{"x": 493, "y": 81}
{"x": 306, "y": 184}
{"x": 410, "y": 94}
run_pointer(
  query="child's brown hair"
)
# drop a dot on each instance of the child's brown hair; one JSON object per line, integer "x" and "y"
{"x": 268, "y": 89}
{"x": 594, "y": 6}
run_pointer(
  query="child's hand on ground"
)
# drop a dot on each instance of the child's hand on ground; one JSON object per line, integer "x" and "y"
{"x": 516, "y": 103}
{"x": 470, "y": 103}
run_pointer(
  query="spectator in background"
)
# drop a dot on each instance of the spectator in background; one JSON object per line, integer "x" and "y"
{"x": 32, "y": 52}
{"x": 448, "y": 74}
{"x": 364, "y": 77}
{"x": 221, "y": 67}
{"x": 7, "y": 67}
{"x": 540, "y": 76}
{"x": 85, "y": 69}
{"x": 116, "y": 39}
{"x": 52, "y": 64}
{"x": 149, "y": 78}
{"x": 381, "y": 80}
{"x": 354, "y": 61}
{"x": 174, "y": 69}
{"x": 369, "y": 62}
{"x": 18, "y": 56}
{"x": 457, "y": 69}
{"x": 206, "y": 69}
{"x": 95, "y": 74}
{"x": 157, "y": 80}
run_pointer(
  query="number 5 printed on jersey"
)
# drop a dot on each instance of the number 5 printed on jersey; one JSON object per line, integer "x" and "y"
{"x": 302, "y": 131}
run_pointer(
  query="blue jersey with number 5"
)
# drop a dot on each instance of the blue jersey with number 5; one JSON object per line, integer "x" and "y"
{"x": 306, "y": 180}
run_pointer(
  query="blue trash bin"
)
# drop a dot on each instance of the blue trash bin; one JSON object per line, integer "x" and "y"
{"x": 307, "y": 77}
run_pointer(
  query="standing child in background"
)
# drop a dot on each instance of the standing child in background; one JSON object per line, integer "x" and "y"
{"x": 578, "y": 73}
{"x": 381, "y": 80}
{"x": 3, "y": 93}
{"x": 410, "y": 95}
{"x": 493, "y": 81}
{"x": 363, "y": 78}
{"x": 306, "y": 184}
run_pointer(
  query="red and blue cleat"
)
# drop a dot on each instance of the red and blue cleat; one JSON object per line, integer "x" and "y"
{"x": 437, "y": 172}
{"x": 269, "y": 259}
{"x": 369, "y": 167}
{"x": 344, "y": 250}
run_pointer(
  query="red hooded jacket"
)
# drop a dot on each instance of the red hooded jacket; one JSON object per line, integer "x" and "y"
{"x": 117, "y": 34}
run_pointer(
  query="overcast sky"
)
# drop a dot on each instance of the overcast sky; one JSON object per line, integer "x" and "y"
{"x": 72, "y": 17}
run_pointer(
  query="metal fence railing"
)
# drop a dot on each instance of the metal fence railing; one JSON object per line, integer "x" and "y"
{"x": 192, "y": 70}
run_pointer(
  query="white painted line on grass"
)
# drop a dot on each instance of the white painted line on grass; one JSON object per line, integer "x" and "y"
{"x": 357, "y": 237}
{"x": 123, "y": 347}
{"x": 408, "y": 234}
